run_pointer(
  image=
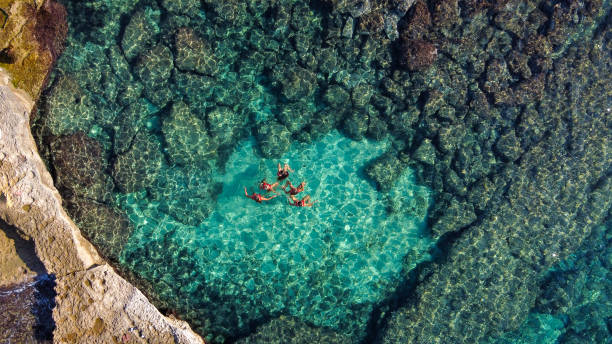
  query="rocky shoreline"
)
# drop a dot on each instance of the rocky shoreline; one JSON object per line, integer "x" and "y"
{"x": 93, "y": 303}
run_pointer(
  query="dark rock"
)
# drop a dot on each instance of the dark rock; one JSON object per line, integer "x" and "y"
{"x": 426, "y": 153}
{"x": 138, "y": 167}
{"x": 194, "y": 54}
{"x": 273, "y": 139}
{"x": 187, "y": 139}
{"x": 416, "y": 54}
{"x": 385, "y": 171}
{"x": 140, "y": 33}
{"x": 79, "y": 167}
{"x": 419, "y": 21}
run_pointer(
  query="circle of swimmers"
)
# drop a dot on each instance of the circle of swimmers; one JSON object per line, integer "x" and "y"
{"x": 289, "y": 189}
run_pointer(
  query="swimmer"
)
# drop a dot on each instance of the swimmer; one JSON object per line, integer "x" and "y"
{"x": 292, "y": 189}
{"x": 283, "y": 172}
{"x": 257, "y": 197}
{"x": 267, "y": 187}
{"x": 304, "y": 202}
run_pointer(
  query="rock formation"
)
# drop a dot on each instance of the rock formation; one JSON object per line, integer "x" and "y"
{"x": 93, "y": 303}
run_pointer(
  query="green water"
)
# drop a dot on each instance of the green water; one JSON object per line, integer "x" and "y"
{"x": 457, "y": 153}
{"x": 327, "y": 265}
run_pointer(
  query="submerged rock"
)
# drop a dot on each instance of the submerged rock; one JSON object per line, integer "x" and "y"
{"x": 193, "y": 53}
{"x": 187, "y": 194}
{"x": 186, "y": 137}
{"x": 273, "y": 139}
{"x": 154, "y": 69}
{"x": 140, "y": 33}
{"x": 79, "y": 166}
{"x": 68, "y": 107}
{"x": 138, "y": 167}
{"x": 289, "y": 330}
{"x": 385, "y": 170}
{"x": 417, "y": 54}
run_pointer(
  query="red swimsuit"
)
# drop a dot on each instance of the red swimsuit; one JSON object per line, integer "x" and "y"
{"x": 265, "y": 186}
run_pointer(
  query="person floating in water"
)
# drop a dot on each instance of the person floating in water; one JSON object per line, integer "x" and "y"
{"x": 257, "y": 197}
{"x": 267, "y": 187}
{"x": 304, "y": 202}
{"x": 292, "y": 189}
{"x": 283, "y": 172}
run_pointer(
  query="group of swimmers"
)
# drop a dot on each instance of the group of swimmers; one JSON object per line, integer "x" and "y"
{"x": 289, "y": 189}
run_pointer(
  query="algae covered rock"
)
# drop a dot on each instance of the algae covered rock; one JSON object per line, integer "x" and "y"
{"x": 290, "y": 330}
{"x": 186, "y": 137}
{"x": 140, "y": 33}
{"x": 106, "y": 227}
{"x": 225, "y": 124}
{"x": 68, "y": 107}
{"x": 138, "y": 167}
{"x": 385, "y": 170}
{"x": 188, "y": 194}
{"x": 154, "y": 69}
{"x": 417, "y": 54}
{"x": 194, "y": 54}
{"x": 273, "y": 139}
{"x": 79, "y": 167}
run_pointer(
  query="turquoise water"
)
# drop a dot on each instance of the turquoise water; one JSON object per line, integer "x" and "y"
{"x": 327, "y": 265}
{"x": 159, "y": 113}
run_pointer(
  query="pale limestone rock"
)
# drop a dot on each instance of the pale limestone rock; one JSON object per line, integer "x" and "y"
{"x": 93, "y": 303}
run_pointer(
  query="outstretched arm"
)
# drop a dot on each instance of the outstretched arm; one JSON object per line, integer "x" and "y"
{"x": 245, "y": 192}
{"x": 267, "y": 199}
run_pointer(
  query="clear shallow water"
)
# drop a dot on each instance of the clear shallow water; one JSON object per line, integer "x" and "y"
{"x": 328, "y": 265}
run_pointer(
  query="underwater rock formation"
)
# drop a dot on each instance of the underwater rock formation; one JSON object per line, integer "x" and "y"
{"x": 107, "y": 305}
{"x": 138, "y": 167}
{"x": 498, "y": 107}
{"x": 187, "y": 138}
